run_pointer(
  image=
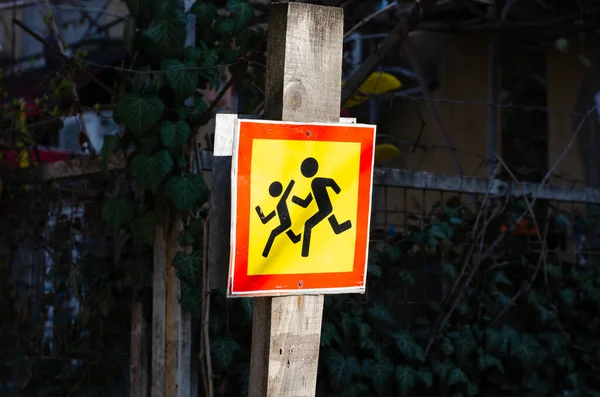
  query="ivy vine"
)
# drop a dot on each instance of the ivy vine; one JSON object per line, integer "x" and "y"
{"x": 450, "y": 308}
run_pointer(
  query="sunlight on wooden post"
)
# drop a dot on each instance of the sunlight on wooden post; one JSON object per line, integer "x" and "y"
{"x": 304, "y": 67}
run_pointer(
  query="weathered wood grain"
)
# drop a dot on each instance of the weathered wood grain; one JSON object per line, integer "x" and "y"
{"x": 304, "y": 66}
{"x": 138, "y": 362}
{"x": 159, "y": 323}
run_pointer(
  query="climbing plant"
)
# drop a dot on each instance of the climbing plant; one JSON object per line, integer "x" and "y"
{"x": 103, "y": 259}
{"x": 455, "y": 306}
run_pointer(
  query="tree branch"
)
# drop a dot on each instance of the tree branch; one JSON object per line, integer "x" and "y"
{"x": 63, "y": 56}
{"x": 368, "y": 18}
{"x": 400, "y": 31}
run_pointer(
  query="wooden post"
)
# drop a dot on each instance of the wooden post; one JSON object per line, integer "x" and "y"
{"x": 138, "y": 368}
{"x": 303, "y": 80}
{"x": 159, "y": 322}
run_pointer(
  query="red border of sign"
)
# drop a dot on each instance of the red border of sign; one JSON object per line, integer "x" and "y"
{"x": 240, "y": 283}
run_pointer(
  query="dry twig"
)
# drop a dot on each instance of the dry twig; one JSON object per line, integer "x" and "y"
{"x": 205, "y": 359}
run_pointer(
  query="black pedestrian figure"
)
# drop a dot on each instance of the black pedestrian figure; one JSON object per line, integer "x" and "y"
{"x": 318, "y": 186}
{"x": 282, "y": 212}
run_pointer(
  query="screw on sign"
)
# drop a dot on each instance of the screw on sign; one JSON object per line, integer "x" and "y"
{"x": 300, "y": 207}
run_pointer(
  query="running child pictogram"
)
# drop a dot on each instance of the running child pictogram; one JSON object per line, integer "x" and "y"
{"x": 283, "y": 214}
{"x": 319, "y": 194}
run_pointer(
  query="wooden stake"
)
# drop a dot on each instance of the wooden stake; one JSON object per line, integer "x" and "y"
{"x": 304, "y": 74}
{"x": 138, "y": 367}
{"x": 159, "y": 323}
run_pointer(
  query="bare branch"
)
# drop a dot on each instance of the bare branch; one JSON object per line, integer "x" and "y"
{"x": 394, "y": 37}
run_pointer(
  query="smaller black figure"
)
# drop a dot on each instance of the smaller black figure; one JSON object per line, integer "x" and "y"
{"x": 318, "y": 186}
{"x": 282, "y": 212}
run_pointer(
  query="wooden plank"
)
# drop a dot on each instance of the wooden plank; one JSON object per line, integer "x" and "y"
{"x": 220, "y": 202}
{"x": 173, "y": 314}
{"x": 138, "y": 365}
{"x": 304, "y": 66}
{"x": 159, "y": 324}
{"x": 305, "y": 85}
{"x": 77, "y": 167}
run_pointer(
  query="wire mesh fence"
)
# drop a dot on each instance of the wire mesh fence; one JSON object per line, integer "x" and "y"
{"x": 504, "y": 223}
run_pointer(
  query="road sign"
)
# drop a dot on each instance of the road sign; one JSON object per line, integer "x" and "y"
{"x": 301, "y": 201}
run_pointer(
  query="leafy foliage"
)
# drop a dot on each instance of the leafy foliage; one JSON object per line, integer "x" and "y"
{"x": 497, "y": 320}
{"x": 506, "y": 332}
{"x": 103, "y": 260}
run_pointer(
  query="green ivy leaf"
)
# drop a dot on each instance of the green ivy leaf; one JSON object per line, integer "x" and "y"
{"x": 346, "y": 324}
{"x": 150, "y": 171}
{"x": 528, "y": 351}
{"x": 406, "y": 275}
{"x": 181, "y": 77}
{"x": 139, "y": 113}
{"x": 405, "y": 379}
{"x": 500, "y": 278}
{"x": 379, "y": 372}
{"x": 355, "y": 389}
{"x": 437, "y": 232}
{"x": 244, "y": 379}
{"x": 111, "y": 145}
{"x": 408, "y": 346}
{"x": 140, "y": 79}
{"x": 457, "y": 376}
{"x": 224, "y": 350}
{"x": 449, "y": 272}
{"x": 248, "y": 38}
{"x": 392, "y": 253}
{"x": 166, "y": 34}
{"x": 547, "y": 316}
{"x": 182, "y": 112}
{"x": 553, "y": 271}
{"x": 472, "y": 389}
{"x": 198, "y": 111}
{"x": 143, "y": 228}
{"x": 493, "y": 339}
{"x": 374, "y": 270}
{"x": 193, "y": 54}
{"x": 329, "y": 334}
{"x": 174, "y": 136}
{"x": 380, "y": 312}
{"x": 185, "y": 191}
{"x": 116, "y": 212}
{"x": 157, "y": 81}
{"x": 447, "y": 346}
{"x": 189, "y": 266}
{"x": 426, "y": 378}
{"x": 555, "y": 343}
{"x": 464, "y": 344}
{"x": 486, "y": 361}
{"x": 341, "y": 368}
{"x": 242, "y": 12}
{"x": 567, "y": 297}
{"x": 210, "y": 55}
{"x": 442, "y": 369}
{"x": 205, "y": 12}
{"x": 190, "y": 299}
{"x": 248, "y": 306}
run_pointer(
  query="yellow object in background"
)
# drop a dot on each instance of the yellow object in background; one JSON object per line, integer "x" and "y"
{"x": 385, "y": 151}
{"x": 376, "y": 84}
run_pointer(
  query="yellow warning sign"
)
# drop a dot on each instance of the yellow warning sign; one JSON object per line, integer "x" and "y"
{"x": 280, "y": 187}
{"x": 301, "y": 199}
